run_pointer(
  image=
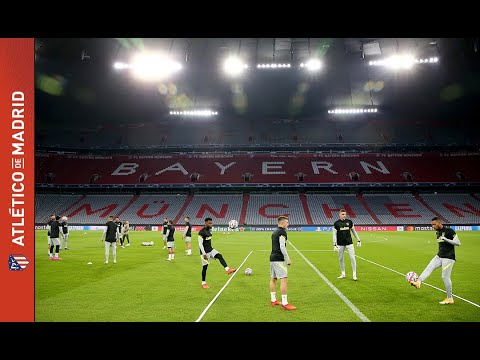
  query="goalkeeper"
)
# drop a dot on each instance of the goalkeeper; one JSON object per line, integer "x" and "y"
{"x": 342, "y": 239}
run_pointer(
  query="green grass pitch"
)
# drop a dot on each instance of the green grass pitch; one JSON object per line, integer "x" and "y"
{"x": 143, "y": 287}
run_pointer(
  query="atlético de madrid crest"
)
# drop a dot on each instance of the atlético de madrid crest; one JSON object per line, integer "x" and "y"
{"x": 17, "y": 262}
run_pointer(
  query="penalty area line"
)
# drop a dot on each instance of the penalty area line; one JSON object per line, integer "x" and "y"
{"x": 223, "y": 288}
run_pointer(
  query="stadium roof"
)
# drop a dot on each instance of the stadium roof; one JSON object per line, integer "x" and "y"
{"x": 76, "y": 82}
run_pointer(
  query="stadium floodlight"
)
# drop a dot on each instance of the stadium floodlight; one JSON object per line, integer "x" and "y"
{"x": 152, "y": 66}
{"x": 427, "y": 60}
{"x": 195, "y": 113}
{"x": 120, "y": 66}
{"x": 402, "y": 61}
{"x": 350, "y": 111}
{"x": 274, "y": 66}
{"x": 234, "y": 66}
{"x": 312, "y": 64}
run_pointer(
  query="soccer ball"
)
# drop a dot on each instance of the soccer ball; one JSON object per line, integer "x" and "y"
{"x": 248, "y": 271}
{"x": 233, "y": 224}
{"x": 411, "y": 276}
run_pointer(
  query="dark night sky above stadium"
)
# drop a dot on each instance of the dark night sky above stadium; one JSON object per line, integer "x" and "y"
{"x": 77, "y": 85}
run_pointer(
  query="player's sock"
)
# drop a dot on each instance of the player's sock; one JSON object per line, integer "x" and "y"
{"x": 284, "y": 300}
{"x": 273, "y": 296}
{"x": 204, "y": 273}
{"x": 173, "y": 256}
{"x": 227, "y": 268}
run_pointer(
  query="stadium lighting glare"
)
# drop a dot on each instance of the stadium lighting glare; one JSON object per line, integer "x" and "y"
{"x": 120, "y": 66}
{"x": 274, "y": 66}
{"x": 233, "y": 66}
{"x": 195, "y": 113}
{"x": 312, "y": 65}
{"x": 151, "y": 66}
{"x": 427, "y": 60}
{"x": 349, "y": 111}
{"x": 402, "y": 62}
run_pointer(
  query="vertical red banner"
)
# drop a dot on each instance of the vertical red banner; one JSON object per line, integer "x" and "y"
{"x": 17, "y": 243}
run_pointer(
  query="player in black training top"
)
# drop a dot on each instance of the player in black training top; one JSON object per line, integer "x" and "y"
{"x": 110, "y": 235}
{"x": 343, "y": 229}
{"x": 49, "y": 224}
{"x": 207, "y": 252}
{"x": 187, "y": 236}
{"x": 55, "y": 238}
{"x": 170, "y": 240}
{"x": 279, "y": 260}
{"x": 447, "y": 240}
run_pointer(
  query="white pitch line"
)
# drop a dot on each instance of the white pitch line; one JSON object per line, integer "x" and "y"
{"x": 224, "y": 286}
{"x": 302, "y": 250}
{"x": 423, "y": 283}
{"x": 334, "y": 288}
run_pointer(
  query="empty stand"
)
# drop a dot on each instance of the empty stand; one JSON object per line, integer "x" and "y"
{"x": 48, "y": 204}
{"x": 95, "y": 209}
{"x": 455, "y": 208}
{"x": 221, "y": 208}
{"x": 398, "y": 209}
{"x": 152, "y": 209}
{"x": 264, "y": 209}
{"x": 324, "y": 209}
{"x": 271, "y": 168}
{"x": 261, "y": 209}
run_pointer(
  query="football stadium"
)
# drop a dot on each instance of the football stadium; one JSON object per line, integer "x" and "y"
{"x": 257, "y": 180}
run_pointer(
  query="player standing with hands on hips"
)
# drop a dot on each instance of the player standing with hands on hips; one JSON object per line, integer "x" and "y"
{"x": 342, "y": 239}
{"x": 278, "y": 259}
